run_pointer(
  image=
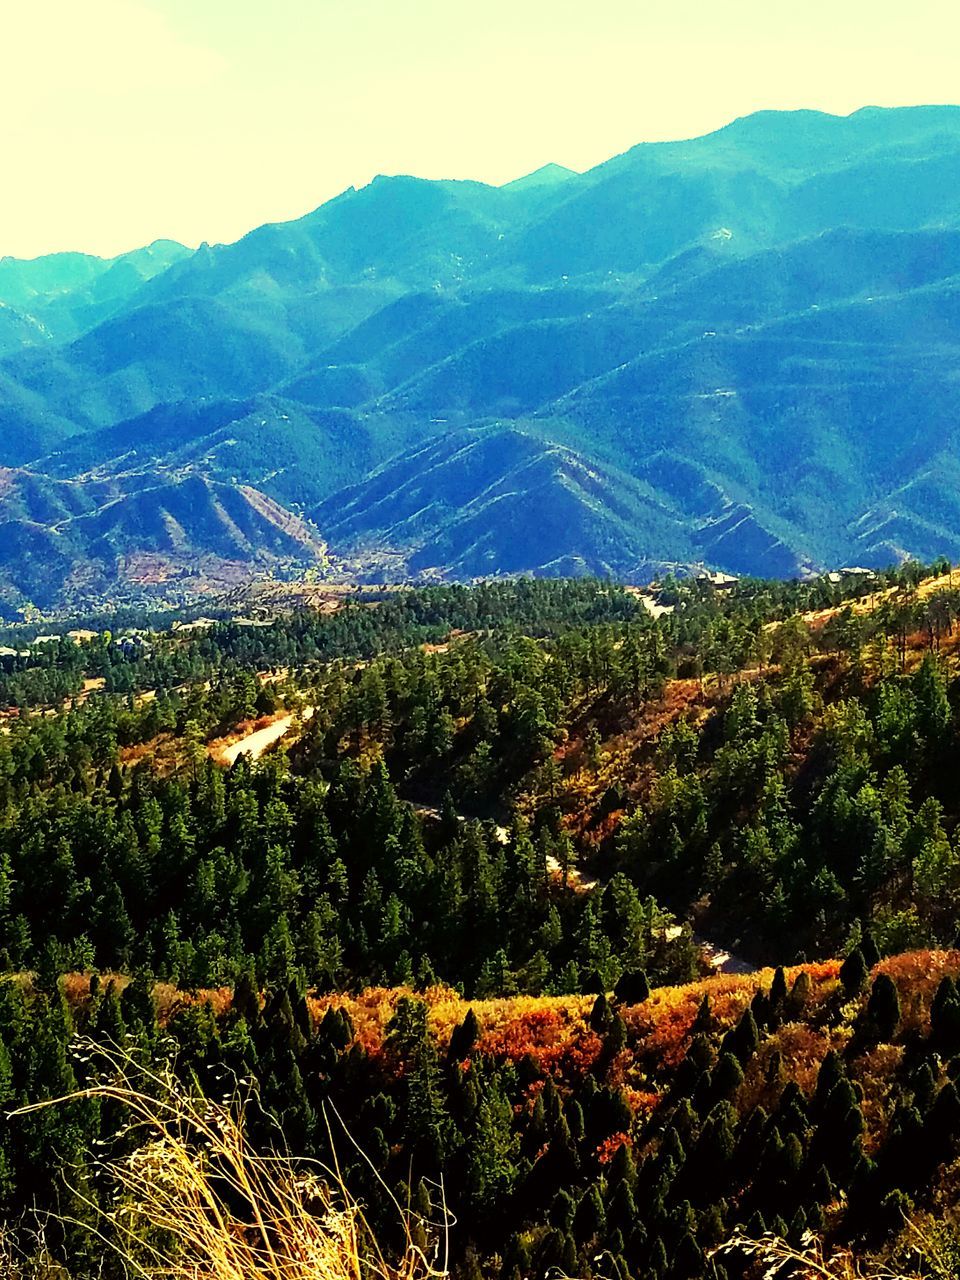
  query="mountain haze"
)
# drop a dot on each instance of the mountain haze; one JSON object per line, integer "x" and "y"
{"x": 739, "y": 349}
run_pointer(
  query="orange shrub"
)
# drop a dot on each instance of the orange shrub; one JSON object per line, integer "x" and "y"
{"x": 552, "y": 1038}
{"x": 662, "y": 1024}
{"x": 610, "y": 1146}
{"x": 170, "y": 1000}
{"x": 642, "y": 1102}
{"x": 917, "y": 975}
{"x": 876, "y": 1072}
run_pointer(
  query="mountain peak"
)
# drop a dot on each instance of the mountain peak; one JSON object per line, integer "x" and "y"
{"x": 548, "y": 175}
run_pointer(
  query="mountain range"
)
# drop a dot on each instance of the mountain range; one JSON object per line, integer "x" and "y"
{"x": 740, "y": 350}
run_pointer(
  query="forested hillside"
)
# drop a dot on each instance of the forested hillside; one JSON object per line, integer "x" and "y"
{"x": 736, "y": 350}
{"x": 471, "y": 913}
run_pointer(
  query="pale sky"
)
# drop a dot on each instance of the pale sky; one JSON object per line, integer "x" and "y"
{"x": 128, "y": 120}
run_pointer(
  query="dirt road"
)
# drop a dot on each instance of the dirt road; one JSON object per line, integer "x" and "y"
{"x": 256, "y": 743}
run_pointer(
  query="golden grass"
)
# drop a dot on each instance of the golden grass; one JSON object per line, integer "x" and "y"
{"x": 926, "y": 1248}
{"x": 771, "y": 1257}
{"x": 194, "y": 1201}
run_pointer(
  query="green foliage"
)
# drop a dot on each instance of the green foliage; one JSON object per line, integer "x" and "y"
{"x": 353, "y": 860}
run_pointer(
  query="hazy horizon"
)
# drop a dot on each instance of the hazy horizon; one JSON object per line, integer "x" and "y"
{"x": 452, "y": 177}
{"x": 127, "y": 121}
{"x": 310, "y": 209}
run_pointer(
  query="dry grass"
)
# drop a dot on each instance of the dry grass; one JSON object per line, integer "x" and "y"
{"x": 771, "y": 1258}
{"x": 194, "y": 1201}
{"x": 927, "y": 1248}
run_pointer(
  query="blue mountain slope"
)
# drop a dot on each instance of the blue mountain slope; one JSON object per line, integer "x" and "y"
{"x": 740, "y": 348}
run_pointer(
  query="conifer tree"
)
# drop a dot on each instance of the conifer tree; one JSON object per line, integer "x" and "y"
{"x": 658, "y": 1264}
{"x": 562, "y": 1210}
{"x": 869, "y": 950}
{"x": 853, "y": 973}
{"x": 623, "y": 1167}
{"x": 622, "y": 1209}
{"x": 883, "y": 1008}
{"x": 745, "y": 1038}
{"x": 703, "y": 1023}
{"x": 601, "y": 1015}
{"x": 589, "y": 1222}
{"x": 688, "y": 1259}
{"x": 945, "y": 1015}
{"x": 491, "y": 1149}
{"x": 799, "y": 994}
{"x": 632, "y": 987}
{"x": 822, "y": 1188}
{"x": 728, "y": 1076}
{"x": 464, "y": 1037}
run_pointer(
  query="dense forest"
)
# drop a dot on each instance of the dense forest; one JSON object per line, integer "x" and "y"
{"x": 457, "y": 917}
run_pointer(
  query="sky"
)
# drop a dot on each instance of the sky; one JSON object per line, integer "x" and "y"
{"x": 124, "y": 121}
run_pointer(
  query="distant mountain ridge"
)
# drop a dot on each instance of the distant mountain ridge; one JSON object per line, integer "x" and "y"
{"x": 739, "y": 349}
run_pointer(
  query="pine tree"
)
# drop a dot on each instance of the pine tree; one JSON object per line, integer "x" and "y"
{"x": 707, "y": 1167}
{"x": 945, "y": 1015}
{"x": 622, "y": 1209}
{"x": 601, "y": 1015}
{"x": 711, "y": 1228}
{"x": 562, "y": 1210}
{"x": 703, "y": 1022}
{"x": 745, "y": 1038}
{"x": 883, "y": 1008}
{"x": 943, "y": 1120}
{"x": 623, "y": 1167}
{"x": 756, "y": 1226}
{"x": 658, "y": 1265}
{"x": 853, "y": 973}
{"x": 797, "y": 1228}
{"x": 831, "y": 1072}
{"x": 924, "y": 1088}
{"x": 589, "y": 1222}
{"x": 728, "y": 1077}
{"x": 799, "y": 994}
{"x": 751, "y": 1140}
{"x": 139, "y": 1004}
{"x": 869, "y": 949}
{"x": 816, "y": 1220}
{"x": 464, "y": 1037}
{"x": 632, "y": 987}
{"x": 430, "y": 1131}
{"x": 574, "y": 1118}
{"x": 491, "y": 1151}
{"x": 568, "y": 1259}
{"x": 688, "y": 1259}
{"x": 822, "y": 1188}
{"x": 792, "y": 1111}
{"x": 246, "y": 996}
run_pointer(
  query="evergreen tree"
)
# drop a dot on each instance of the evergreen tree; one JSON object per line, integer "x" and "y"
{"x": 590, "y": 1220}
{"x": 883, "y": 1008}
{"x": 853, "y": 973}
{"x": 464, "y": 1037}
{"x": 632, "y": 987}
